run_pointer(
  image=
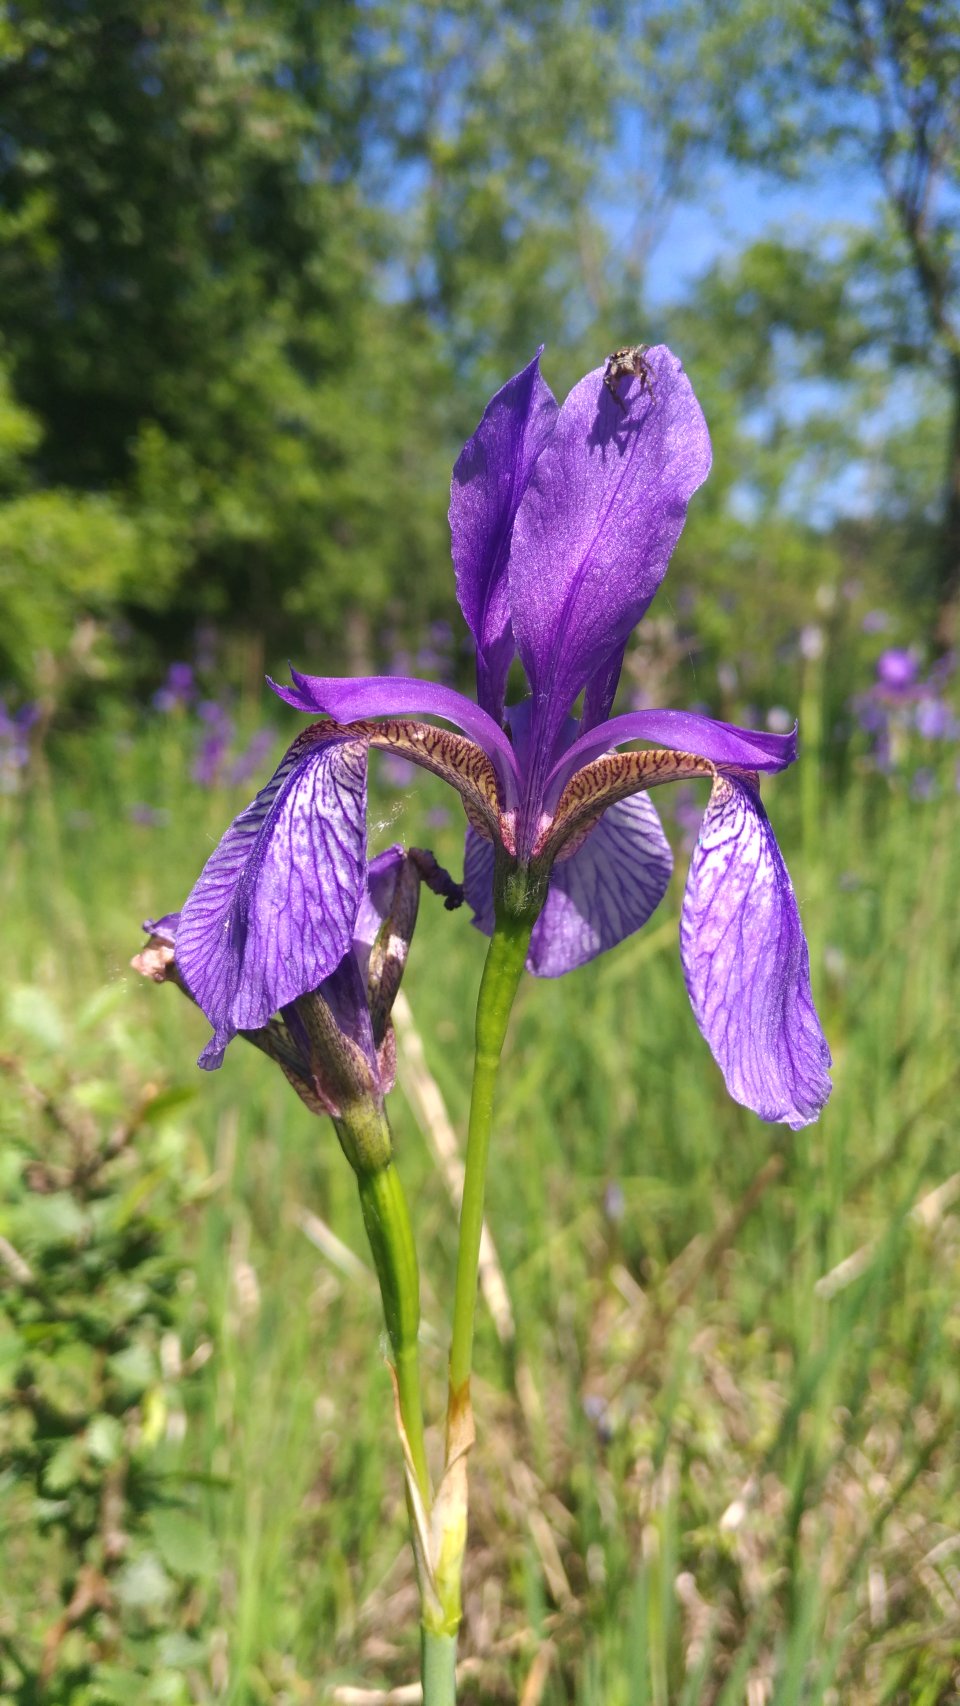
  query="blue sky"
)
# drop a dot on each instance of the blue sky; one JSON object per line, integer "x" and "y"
{"x": 736, "y": 206}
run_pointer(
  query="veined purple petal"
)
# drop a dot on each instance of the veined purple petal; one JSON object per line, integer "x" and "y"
{"x": 273, "y": 911}
{"x": 353, "y": 699}
{"x": 682, "y": 731}
{"x": 746, "y": 963}
{"x": 604, "y": 892}
{"x": 478, "y": 863}
{"x": 596, "y": 527}
{"x": 345, "y": 993}
{"x": 378, "y": 893}
{"x": 489, "y": 479}
{"x": 601, "y": 689}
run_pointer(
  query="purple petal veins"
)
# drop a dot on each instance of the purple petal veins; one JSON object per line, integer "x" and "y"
{"x": 596, "y": 528}
{"x": 273, "y": 911}
{"x": 746, "y": 963}
{"x": 604, "y": 892}
{"x": 489, "y": 479}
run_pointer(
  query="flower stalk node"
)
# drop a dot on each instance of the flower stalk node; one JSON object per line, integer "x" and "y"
{"x": 519, "y": 890}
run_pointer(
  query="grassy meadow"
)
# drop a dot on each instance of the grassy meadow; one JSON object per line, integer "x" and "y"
{"x": 717, "y": 1454}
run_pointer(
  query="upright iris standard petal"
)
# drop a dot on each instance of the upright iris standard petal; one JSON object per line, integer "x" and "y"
{"x": 272, "y": 913}
{"x": 607, "y": 889}
{"x": 746, "y": 963}
{"x": 489, "y": 479}
{"x": 601, "y": 688}
{"x": 596, "y": 527}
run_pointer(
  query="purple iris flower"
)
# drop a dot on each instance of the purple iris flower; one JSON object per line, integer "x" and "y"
{"x": 563, "y": 521}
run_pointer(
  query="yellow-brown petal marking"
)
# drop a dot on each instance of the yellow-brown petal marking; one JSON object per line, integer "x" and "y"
{"x": 613, "y": 777}
{"x": 458, "y": 760}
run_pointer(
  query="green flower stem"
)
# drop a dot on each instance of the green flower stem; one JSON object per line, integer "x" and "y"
{"x": 363, "y": 1131}
{"x": 438, "y": 1668}
{"x": 501, "y": 977}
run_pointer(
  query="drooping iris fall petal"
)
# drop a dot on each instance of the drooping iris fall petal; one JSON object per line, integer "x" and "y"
{"x": 272, "y": 913}
{"x": 746, "y": 963}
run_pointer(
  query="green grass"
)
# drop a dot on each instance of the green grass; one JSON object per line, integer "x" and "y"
{"x": 759, "y": 1500}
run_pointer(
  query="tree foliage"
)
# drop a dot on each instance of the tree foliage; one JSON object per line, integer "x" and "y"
{"x": 261, "y": 266}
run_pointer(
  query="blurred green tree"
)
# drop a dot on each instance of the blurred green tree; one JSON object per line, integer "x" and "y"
{"x": 244, "y": 250}
{"x": 868, "y": 91}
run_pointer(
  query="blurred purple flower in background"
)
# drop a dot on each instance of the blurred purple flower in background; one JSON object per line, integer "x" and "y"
{"x": 179, "y": 690}
{"x": 397, "y": 772}
{"x": 875, "y": 622}
{"x": 210, "y": 760}
{"x": 902, "y": 703}
{"x": 248, "y": 762}
{"x": 897, "y": 670}
{"x": 15, "y": 727}
{"x": 924, "y": 784}
{"x": 934, "y": 720}
{"x": 148, "y": 817}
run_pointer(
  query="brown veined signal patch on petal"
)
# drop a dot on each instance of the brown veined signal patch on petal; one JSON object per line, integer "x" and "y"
{"x": 613, "y": 777}
{"x": 458, "y": 760}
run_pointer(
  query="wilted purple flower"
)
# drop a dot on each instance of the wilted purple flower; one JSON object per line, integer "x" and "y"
{"x": 563, "y": 523}
{"x": 334, "y": 1042}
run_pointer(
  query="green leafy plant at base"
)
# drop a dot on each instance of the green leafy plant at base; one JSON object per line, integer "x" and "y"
{"x": 103, "y": 1594}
